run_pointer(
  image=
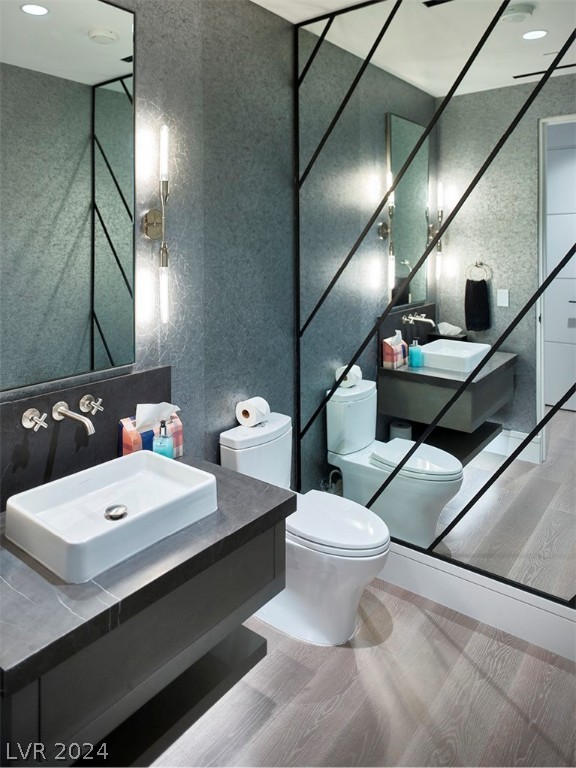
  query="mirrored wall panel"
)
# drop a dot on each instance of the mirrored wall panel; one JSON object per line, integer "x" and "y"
{"x": 67, "y": 168}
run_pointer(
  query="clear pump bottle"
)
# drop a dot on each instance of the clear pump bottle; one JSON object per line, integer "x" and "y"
{"x": 415, "y": 356}
{"x": 163, "y": 443}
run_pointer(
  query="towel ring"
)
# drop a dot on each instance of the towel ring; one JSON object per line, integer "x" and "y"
{"x": 486, "y": 272}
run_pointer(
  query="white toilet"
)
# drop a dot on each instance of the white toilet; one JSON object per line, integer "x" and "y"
{"x": 412, "y": 503}
{"x": 334, "y": 546}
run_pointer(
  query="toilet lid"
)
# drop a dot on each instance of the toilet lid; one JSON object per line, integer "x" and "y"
{"x": 336, "y": 523}
{"x": 238, "y": 438}
{"x": 428, "y": 462}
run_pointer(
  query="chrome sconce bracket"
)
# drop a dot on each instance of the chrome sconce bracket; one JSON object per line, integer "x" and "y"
{"x": 152, "y": 224}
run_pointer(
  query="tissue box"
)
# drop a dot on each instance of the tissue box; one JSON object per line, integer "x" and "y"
{"x": 130, "y": 440}
{"x": 394, "y": 355}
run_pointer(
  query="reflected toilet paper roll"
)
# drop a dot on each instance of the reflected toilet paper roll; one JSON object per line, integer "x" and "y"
{"x": 251, "y": 412}
{"x": 400, "y": 429}
{"x": 353, "y": 377}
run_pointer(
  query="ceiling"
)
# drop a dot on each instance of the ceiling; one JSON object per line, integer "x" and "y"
{"x": 58, "y": 43}
{"x": 428, "y": 46}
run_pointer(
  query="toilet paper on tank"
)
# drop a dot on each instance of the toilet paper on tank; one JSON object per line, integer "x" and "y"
{"x": 252, "y": 412}
{"x": 353, "y": 377}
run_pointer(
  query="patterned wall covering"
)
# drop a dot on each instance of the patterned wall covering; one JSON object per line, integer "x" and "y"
{"x": 499, "y": 222}
{"x": 337, "y": 200}
{"x": 218, "y": 73}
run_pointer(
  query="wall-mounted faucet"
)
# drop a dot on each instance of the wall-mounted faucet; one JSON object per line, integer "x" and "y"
{"x": 416, "y": 318}
{"x": 61, "y": 411}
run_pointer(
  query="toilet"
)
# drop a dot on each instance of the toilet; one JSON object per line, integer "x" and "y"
{"x": 334, "y": 546}
{"x": 411, "y": 505}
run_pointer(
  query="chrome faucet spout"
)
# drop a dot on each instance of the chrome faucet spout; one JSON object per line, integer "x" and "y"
{"x": 411, "y": 319}
{"x": 61, "y": 411}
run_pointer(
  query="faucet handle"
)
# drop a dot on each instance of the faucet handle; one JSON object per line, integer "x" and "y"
{"x": 89, "y": 405}
{"x": 31, "y": 419}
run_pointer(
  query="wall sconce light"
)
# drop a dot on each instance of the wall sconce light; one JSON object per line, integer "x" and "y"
{"x": 386, "y": 228}
{"x": 434, "y": 227}
{"x": 155, "y": 224}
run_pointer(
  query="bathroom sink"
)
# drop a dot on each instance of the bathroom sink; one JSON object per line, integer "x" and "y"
{"x": 89, "y": 521}
{"x": 448, "y": 355}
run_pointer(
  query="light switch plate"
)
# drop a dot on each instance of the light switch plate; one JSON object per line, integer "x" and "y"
{"x": 503, "y": 297}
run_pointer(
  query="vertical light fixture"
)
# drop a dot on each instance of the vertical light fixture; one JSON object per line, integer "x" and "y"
{"x": 164, "y": 255}
{"x": 386, "y": 228}
{"x": 155, "y": 224}
{"x": 434, "y": 228}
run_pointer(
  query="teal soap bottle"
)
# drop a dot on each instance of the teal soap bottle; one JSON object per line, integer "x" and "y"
{"x": 163, "y": 443}
{"x": 415, "y": 356}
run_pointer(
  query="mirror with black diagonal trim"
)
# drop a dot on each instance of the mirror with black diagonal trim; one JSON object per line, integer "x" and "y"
{"x": 67, "y": 193}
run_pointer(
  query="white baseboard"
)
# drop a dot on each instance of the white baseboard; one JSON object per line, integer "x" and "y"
{"x": 509, "y": 440}
{"x": 539, "y": 621}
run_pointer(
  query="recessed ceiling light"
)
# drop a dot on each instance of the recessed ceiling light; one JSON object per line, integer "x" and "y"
{"x": 34, "y": 10}
{"x": 535, "y": 34}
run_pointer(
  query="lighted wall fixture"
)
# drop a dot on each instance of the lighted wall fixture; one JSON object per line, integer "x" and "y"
{"x": 434, "y": 227}
{"x": 154, "y": 223}
{"x": 386, "y": 228}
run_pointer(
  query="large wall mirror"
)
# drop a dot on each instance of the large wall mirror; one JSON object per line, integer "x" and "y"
{"x": 409, "y": 234}
{"x": 67, "y": 193}
{"x": 481, "y": 155}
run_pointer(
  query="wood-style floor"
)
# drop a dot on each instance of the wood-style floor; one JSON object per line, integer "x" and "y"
{"x": 419, "y": 685}
{"x": 524, "y": 527}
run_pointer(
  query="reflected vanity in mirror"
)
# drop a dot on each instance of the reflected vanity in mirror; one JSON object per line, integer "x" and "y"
{"x": 410, "y": 230}
{"x": 67, "y": 165}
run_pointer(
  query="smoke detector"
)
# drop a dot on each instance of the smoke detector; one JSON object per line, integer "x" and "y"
{"x": 515, "y": 14}
{"x": 103, "y": 36}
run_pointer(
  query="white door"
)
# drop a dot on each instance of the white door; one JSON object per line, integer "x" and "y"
{"x": 559, "y": 221}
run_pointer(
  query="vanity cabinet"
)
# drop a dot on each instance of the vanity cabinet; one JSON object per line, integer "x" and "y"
{"x": 419, "y": 394}
{"x": 174, "y": 643}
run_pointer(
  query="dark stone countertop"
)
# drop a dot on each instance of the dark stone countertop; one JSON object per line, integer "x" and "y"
{"x": 500, "y": 361}
{"x": 43, "y": 620}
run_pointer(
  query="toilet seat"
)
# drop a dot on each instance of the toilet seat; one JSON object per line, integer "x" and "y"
{"x": 333, "y": 525}
{"x": 428, "y": 463}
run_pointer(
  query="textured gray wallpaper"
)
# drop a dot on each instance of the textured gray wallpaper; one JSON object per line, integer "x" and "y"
{"x": 45, "y": 203}
{"x": 337, "y": 200}
{"x": 499, "y": 223}
{"x": 218, "y": 73}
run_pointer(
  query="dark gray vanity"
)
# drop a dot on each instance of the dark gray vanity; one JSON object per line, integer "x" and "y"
{"x": 418, "y": 395}
{"x": 133, "y": 657}
{"x": 136, "y": 655}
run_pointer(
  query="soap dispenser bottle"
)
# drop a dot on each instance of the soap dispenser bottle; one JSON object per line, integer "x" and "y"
{"x": 163, "y": 443}
{"x": 415, "y": 356}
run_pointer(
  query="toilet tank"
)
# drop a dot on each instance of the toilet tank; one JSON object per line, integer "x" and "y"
{"x": 351, "y": 418}
{"x": 263, "y": 451}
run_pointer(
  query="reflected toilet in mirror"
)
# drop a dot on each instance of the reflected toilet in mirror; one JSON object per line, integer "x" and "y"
{"x": 411, "y": 505}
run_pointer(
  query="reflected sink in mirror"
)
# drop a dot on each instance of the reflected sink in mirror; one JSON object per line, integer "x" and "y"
{"x": 83, "y": 524}
{"x": 459, "y": 356}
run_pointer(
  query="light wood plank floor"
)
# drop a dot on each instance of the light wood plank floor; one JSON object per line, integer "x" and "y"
{"x": 524, "y": 527}
{"x": 419, "y": 685}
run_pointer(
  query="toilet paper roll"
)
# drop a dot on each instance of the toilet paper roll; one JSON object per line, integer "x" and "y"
{"x": 252, "y": 412}
{"x": 353, "y": 377}
{"x": 400, "y": 429}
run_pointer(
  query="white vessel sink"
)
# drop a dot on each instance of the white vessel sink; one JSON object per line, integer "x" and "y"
{"x": 448, "y": 355}
{"x": 64, "y": 524}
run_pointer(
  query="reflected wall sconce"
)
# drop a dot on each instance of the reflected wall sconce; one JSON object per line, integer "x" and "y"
{"x": 154, "y": 224}
{"x": 434, "y": 227}
{"x": 386, "y": 228}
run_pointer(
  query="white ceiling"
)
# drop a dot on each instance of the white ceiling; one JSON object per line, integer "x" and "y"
{"x": 428, "y": 46}
{"x": 58, "y": 43}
